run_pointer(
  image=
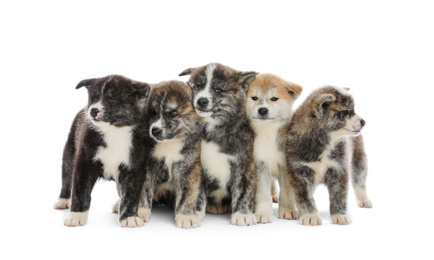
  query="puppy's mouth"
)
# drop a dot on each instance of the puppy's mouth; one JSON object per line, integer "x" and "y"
{"x": 263, "y": 119}
{"x": 354, "y": 132}
{"x": 204, "y": 112}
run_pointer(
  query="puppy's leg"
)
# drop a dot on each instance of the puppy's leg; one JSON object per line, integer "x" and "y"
{"x": 131, "y": 184}
{"x": 300, "y": 179}
{"x": 85, "y": 174}
{"x": 287, "y": 208}
{"x": 359, "y": 166}
{"x": 264, "y": 207}
{"x": 201, "y": 203}
{"x": 115, "y": 208}
{"x": 147, "y": 195}
{"x": 187, "y": 189}
{"x": 336, "y": 181}
{"x": 244, "y": 192}
{"x": 67, "y": 169}
{"x": 274, "y": 190}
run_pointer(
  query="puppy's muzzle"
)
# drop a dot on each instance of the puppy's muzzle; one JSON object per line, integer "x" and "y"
{"x": 202, "y": 102}
{"x": 94, "y": 112}
{"x": 263, "y": 111}
{"x": 157, "y": 132}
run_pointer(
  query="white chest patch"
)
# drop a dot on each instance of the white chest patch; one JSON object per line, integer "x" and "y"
{"x": 170, "y": 152}
{"x": 117, "y": 151}
{"x": 266, "y": 148}
{"x": 322, "y": 166}
{"x": 216, "y": 164}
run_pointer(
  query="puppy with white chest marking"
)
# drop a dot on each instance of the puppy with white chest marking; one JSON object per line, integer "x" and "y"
{"x": 106, "y": 141}
{"x": 324, "y": 145}
{"x": 269, "y": 108}
{"x": 229, "y": 170}
{"x": 174, "y": 161}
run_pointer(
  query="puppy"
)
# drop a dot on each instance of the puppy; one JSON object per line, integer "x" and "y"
{"x": 174, "y": 161}
{"x": 324, "y": 145}
{"x": 106, "y": 141}
{"x": 229, "y": 171}
{"x": 269, "y": 108}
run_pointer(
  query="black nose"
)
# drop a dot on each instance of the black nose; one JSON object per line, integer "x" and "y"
{"x": 362, "y": 122}
{"x": 156, "y": 131}
{"x": 263, "y": 111}
{"x": 203, "y": 102}
{"x": 94, "y": 112}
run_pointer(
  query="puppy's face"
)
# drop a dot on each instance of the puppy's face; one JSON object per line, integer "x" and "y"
{"x": 170, "y": 111}
{"x": 115, "y": 100}
{"x": 334, "y": 109}
{"x": 271, "y": 98}
{"x": 218, "y": 91}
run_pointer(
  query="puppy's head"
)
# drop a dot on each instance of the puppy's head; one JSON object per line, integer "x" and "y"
{"x": 170, "y": 111}
{"x": 333, "y": 109}
{"x": 115, "y": 100}
{"x": 270, "y": 98}
{"x": 218, "y": 91}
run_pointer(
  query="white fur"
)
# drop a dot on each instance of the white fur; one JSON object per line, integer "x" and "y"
{"x": 62, "y": 204}
{"x": 243, "y": 219}
{"x": 75, "y": 219}
{"x": 217, "y": 165}
{"x": 117, "y": 151}
{"x": 187, "y": 221}
{"x": 158, "y": 124}
{"x": 312, "y": 219}
{"x": 100, "y": 107}
{"x": 341, "y": 219}
{"x": 170, "y": 151}
{"x": 206, "y": 92}
{"x": 132, "y": 222}
{"x": 362, "y": 197}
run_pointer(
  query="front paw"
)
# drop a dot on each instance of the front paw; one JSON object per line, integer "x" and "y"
{"x": 132, "y": 222}
{"x": 115, "y": 208}
{"x": 243, "y": 219}
{"x": 76, "y": 219}
{"x": 310, "y": 219}
{"x": 341, "y": 219}
{"x": 364, "y": 203}
{"x": 288, "y": 213}
{"x": 61, "y": 204}
{"x": 187, "y": 221}
{"x": 144, "y": 213}
{"x": 264, "y": 212}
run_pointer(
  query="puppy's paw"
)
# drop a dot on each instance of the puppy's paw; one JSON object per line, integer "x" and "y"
{"x": 364, "y": 203}
{"x": 132, "y": 222}
{"x": 275, "y": 198}
{"x": 187, "y": 221}
{"x": 264, "y": 212}
{"x": 218, "y": 209}
{"x": 61, "y": 204}
{"x": 115, "y": 208}
{"x": 144, "y": 213}
{"x": 75, "y": 219}
{"x": 243, "y": 219}
{"x": 310, "y": 219}
{"x": 288, "y": 213}
{"x": 200, "y": 214}
{"x": 341, "y": 219}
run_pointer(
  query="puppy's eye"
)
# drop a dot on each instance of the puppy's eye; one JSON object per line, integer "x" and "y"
{"x": 198, "y": 85}
{"x": 345, "y": 113}
{"x": 94, "y": 97}
{"x": 173, "y": 114}
{"x": 113, "y": 100}
{"x": 154, "y": 112}
{"x": 255, "y": 98}
{"x": 274, "y": 99}
{"x": 218, "y": 90}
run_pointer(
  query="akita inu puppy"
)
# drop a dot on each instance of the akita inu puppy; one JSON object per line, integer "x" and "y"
{"x": 174, "y": 161}
{"x": 269, "y": 108}
{"x": 107, "y": 140}
{"x": 229, "y": 170}
{"x": 324, "y": 145}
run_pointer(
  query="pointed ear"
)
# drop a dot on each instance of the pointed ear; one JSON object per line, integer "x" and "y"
{"x": 294, "y": 89}
{"x": 142, "y": 89}
{"x": 85, "y": 83}
{"x": 187, "y": 72}
{"x": 321, "y": 103}
{"x": 245, "y": 78}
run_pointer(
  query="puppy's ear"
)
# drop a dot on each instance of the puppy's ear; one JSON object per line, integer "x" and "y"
{"x": 187, "y": 72}
{"x": 245, "y": 78}
{"x": 321, "y": 103}
{"x": 294, "y": 89}
{"x": 85, "y": 83}
{"x": 142, "y": 89}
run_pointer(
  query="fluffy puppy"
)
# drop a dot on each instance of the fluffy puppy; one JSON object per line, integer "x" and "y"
{"x": 106, "y": 141}
{"x": 269, "y": 108}
{"x": 229, "y": 170}
{"x": 174, "y": 161}
{"x": 324, "y": 145}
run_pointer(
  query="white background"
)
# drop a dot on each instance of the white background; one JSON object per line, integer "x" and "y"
{"x": 382, "y": 50}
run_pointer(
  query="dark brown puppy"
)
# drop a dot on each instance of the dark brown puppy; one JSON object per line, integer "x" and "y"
{"x": 107, "y": 140}
{"x": 229, "y": 170}
{"x": 323, "y": 146}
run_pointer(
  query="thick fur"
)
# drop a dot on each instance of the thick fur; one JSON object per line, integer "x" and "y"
{"x": 229, "y": 171}
{"x": 174, "y": 161}
{"x": 323, "y": 146}
{"x": 107, "y": 140}
{"x": 269, "y": 108}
